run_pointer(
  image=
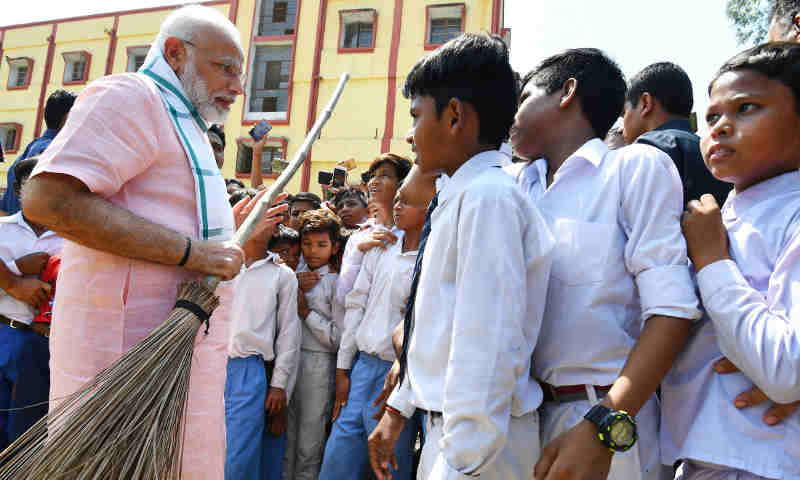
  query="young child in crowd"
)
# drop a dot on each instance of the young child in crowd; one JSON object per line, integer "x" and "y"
{"x": 286, "y": 243}
{"x": 375, "y": 307}
{"x": 264, "y": 328}
{"x": 620, "y": 298}
{"x": 311, "y": 407}
{"x": 477, "y": 294}
{"x": 25, "y": 250}
{"x": 351, "y": 206}
{"x": 747, "y": 259}
{"x": 386, "y": 173}
{"x": 301, "y": 203}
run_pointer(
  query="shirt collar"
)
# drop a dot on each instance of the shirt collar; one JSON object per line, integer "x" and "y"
{"x": 738, "y": 203}
{"x": 271, "y": 257}
{"x": 592, "y": 151}
{"x": 49, "y": 133}
{"x": 467, "y": 172}
{"x": 18, "y": 219}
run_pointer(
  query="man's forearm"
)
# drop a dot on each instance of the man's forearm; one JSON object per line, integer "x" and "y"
{"x": 66, "y": 206}
{"x": 7, "y": 277}
{"x": 661, "y": 341}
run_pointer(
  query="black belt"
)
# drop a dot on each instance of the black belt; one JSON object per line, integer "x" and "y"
{"x": 37, "y": 327}
{"x": 571, "y": 393}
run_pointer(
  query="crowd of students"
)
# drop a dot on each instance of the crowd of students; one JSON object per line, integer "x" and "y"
{"x": 604, "y": 305}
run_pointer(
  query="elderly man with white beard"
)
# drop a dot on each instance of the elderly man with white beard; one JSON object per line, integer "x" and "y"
{"x": 132, "y": 184}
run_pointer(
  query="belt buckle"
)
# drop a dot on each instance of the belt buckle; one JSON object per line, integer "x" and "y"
{"x": 14, "y": 323}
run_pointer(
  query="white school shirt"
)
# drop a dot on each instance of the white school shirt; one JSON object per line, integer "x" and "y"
{"x": 376, "y": 304}
{"x": 264, "y": 319}
{"x": 753, "y": 319}
{"x": 477, "y": 311}
{"x": 353, "y": 257}
{"x": 18, "y": 239}
{"x": 620, "y": 257}
{"x": 322, "y": 328}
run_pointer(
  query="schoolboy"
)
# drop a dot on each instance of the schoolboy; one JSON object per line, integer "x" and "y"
{"x": 657, "y": 109}
{"x": 620, "y": 297}
{"x": 301, "y": 203}
{"x": 351, "y": 206}
{"x": 286, "y": 243}
{"x": 386, "y": 174}
{"x": 264, "y": 328}
{"x": 375, "y": 308}
{"x": 25, "y": 248}
{"x": 746, "y": 258}
{"x": 311, "y": 407}
{"x": 470, "y": 330}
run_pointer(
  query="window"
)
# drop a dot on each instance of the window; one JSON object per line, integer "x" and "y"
{"x": 276, "y": 18}
{"x": 10, "y": 134}
{"x": 269, "y": 83}
{"x": 76, "y": 67}
{"x": 444, "y": 23}
{"x": 19, "y": 72}
{"x": 136, "y": 56}
{"x": 357, "y": 30}
{"x": 272, "y": 158}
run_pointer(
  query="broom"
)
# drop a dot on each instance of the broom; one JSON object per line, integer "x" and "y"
{"x": 127, "y": 422}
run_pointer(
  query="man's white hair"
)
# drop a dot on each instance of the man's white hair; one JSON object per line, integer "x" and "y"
{"x": 187, "y": 23}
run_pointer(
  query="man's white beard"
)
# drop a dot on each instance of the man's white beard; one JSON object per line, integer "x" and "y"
{"x": 197, "y": 91}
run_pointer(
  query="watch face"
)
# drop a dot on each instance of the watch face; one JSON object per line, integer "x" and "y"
{"x": 622, "y": 432}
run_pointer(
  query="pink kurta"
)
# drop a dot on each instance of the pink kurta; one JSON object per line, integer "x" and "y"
{"x": 119, "y": 141}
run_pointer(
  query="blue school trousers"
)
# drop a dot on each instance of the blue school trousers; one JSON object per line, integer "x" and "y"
{"x": 252, "y": 453}
{"x": 25, "y": 371}
{"x": 346, "y": 456}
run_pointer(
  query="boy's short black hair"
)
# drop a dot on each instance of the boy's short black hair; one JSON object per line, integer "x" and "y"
{"x": 59, "y": 103}
{"x": 666, "y": 82}
{"x": 306, "y": 197}
{"x": 233, "y": 181}
{"x": 346, "y": 193}
{"x": 238, "y": 195}
{"x": 321, "y": 220}
{"x": 779, "y": 61}
{"x": 473, "y": 68}
{"x": 217, "y": 130}
{"x": 601, "y": 84}
{"x": 401, "y": 165}
{"x": 283, "y": 235}
{"x": 23, "y": 169}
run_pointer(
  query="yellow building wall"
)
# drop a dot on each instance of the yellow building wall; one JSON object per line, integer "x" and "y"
{"x": 356, "y": 128}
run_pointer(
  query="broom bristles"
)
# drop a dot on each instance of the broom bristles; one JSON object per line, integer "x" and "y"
{"x": 127, "y": 421}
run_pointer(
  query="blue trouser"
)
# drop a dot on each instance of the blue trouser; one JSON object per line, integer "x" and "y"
{"x": 252, "y": 452}
{"x": 25, "y": 371}
{"x": 346, "y": 452}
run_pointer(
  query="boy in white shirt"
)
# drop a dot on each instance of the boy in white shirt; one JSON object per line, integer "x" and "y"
{"x": 620, "y": 299}
{"x": 25, "y": 248}
{"x": 375, "y": 307}
{"x": 311, "y": 407}
{"x": 471, "y": 328}
{"x": 264, "y": 328}
{"x": 747, "y": 259}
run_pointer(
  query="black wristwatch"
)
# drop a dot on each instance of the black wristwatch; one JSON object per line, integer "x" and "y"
{"x": 615, "y": 428}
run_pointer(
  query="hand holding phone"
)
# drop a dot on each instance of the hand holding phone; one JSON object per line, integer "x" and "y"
{"x": 260, "y": 130}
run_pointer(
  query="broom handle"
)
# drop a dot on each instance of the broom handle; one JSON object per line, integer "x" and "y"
{"x": 246, "y": 228}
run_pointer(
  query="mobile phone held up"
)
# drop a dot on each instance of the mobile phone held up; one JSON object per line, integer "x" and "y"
{"x": 336, "y": 178}
{"x": 262, "y": 128}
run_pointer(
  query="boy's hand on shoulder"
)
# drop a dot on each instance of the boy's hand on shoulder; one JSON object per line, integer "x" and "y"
{"x": 378, "y": 238}
{"x": 276, "y": 401}
{"x": 706, "y": 237}
{"x": 576, "y": 454}
{"x": 302, "y": 306}
{"x": 774, "y": 415}
{"x": 277, "y": 423}
{"x": 306, "y": 281}
{"x": 342, "y": 391}
{"x": 33, "y": 263}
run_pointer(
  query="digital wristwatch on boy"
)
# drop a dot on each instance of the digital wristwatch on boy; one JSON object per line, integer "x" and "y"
{"x": 615, "y": 428}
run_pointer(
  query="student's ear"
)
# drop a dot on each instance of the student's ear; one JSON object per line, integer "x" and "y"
{"x": 454, "y": 113}
{"x": 646, "y": 103}
{"x": 568, "y": 92}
